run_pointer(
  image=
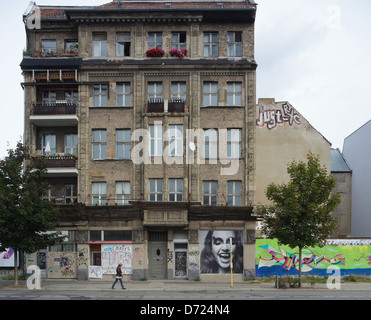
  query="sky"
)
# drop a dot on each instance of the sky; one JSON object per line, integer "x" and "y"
{"x": 314, "y": 54}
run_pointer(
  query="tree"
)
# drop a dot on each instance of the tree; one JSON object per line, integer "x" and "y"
{"x": 300, "y": 211}
{"x": 26, "y": 220}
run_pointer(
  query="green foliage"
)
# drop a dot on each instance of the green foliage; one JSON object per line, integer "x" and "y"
{"x": 300, "y": 214}
{"x": 25, "y": 218}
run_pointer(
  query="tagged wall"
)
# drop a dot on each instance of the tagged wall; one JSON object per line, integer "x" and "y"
{"x": 62, "y": 265}
{"x": 351, "y": 256}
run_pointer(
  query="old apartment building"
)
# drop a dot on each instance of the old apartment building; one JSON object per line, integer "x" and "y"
{"x": 145, "y": 112}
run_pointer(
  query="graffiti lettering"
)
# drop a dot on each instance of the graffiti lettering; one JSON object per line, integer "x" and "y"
{"x": 275, "y": 117}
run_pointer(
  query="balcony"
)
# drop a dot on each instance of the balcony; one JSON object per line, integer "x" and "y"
{"x": 59, "y": 165}
{"x": 172, "y": 106}
{"x": 60, "y": 113}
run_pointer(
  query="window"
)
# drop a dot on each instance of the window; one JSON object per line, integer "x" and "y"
{"x": 49, "y": 97}
{"x": 210, "y": 144}
{"x": 123, "y": 95}
{"x": 49, "y": 46}
{"x": 71, "y": 45}
{"x": 178, "y": 91}
{"x": 49, "y": 142}
{"x": 178, "y": 41}
{"x": 234, "y": 193}
{"x": 210, "y": 44}
{"x": 110, "y": 235}
{"x": 70, "y": 143}
{"x": 175, "y": 189}
{"x": 210, "y": 97}
{"x": 155, "y": 147}
{"x": 49, "y": 195}
{"x": 100, "y": 44}
{"x": 70, "y": 192}
{"x": 154, "y": 91}
{"x": 210, "y": 190}
{"x": 72, "y": 97}
{"x": 234, "y": 143}
{"x": 154, "y": 40}
{"x": 99, "y": 193}
{"x": 176, "y": 140}
{"x": 155, "y": 189}
{"x": 234, "y": 44}
{"x": 122, "y": 192}
{"x": 234, "y": 94}
{"x": 100, "y": 95}
{"x": 123, "y": 143}
{"x": 99, "y": 144}
{"x": 123, "y": 44}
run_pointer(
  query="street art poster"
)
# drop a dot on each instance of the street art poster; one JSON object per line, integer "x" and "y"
{"x": 216, "y": 249}
{"x": 95, "y": 272}
{"x": 114, "y": 254}
{"x": 7, "y": 258}
{"x": 274, "y": 259}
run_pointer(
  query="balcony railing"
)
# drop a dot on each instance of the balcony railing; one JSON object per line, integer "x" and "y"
{"x": 64, "y": 108}
{"x": 174, "y": 105}
{"x": 57, "y": 161}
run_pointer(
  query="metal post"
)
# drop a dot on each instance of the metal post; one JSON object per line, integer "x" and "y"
{"x": 230, "y": 251}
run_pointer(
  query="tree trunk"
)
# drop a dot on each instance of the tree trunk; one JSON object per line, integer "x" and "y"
{"x": 300, "y": 267}
{"x": 15, "y": 267}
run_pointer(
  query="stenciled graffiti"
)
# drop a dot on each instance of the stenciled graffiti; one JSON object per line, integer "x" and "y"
{"x": 271, "y": 118}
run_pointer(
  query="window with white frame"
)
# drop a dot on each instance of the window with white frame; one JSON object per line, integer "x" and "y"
{"x": 155, "y": 190}
{"x": 100, "y": 44}
{"x": 123, "y": 94}
{"x": 49, "y": 144}
{"x": 123, "y": 44}
{"x": 154, "y": 91}
{"x": 234, "y": 143}
{"x": 234, "y": 94}
{"x": 178, "y": 90}
{"x": 210, "y": 94}
{"x": 178, "y": 40}
{"x": 234, "y": 44}
{"x": 154, "y": 40}
{"x": 234, "y": 193}
{"x": 175, "y": 189}
{"x": 123, "y": 138}
{"x": 70, "y": 193}
{"x": 99, "y": 144}
{"x": 156, "y": 143}
{"x": 210, "y": 144}
{"x": 99, "y": 193}
{"x": 49, "y": 46}
{"x": 175, "y": 140}
{"x": 211, "y": 44}
{"x": 70, "y": 143}
{"x": 209, "y": 192}
{"x": 72, "y": 97}
{"x": 49, "y": 97}
{"x": 100, "y": 95}
{"x": 122, "y": 192}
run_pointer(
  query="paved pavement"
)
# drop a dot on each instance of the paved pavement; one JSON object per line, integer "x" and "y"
{"x": 168, "y": 285}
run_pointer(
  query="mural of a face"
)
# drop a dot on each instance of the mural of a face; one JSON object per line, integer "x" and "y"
{"x": 221, "y": 247}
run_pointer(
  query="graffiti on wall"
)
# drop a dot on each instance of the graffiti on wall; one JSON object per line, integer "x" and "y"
{"x": 62, "y": 265}
{"x": 274, "y": 259}
{"x": 95, "y": 272}
{"x": 114, "y": 254}
{"x": 272, "y": 118}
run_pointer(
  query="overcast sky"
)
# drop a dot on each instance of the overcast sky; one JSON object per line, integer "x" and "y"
{"x": 314, "y": 54}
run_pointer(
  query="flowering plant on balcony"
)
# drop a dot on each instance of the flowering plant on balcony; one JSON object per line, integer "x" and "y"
{"x": 59, "y": 156}
{"x": 178, "y": 53}
{"x": 155, "y": 52}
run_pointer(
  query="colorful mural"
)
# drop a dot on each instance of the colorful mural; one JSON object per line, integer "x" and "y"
{"x": 352, "y": 257}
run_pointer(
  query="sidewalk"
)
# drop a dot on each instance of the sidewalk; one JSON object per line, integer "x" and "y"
{"x": 169, "y": 285}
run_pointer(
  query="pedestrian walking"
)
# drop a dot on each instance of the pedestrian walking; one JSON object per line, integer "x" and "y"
{"x": 118, "y": 277}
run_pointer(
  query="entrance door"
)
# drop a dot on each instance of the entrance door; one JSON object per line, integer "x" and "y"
{"x": 157, "y": 255}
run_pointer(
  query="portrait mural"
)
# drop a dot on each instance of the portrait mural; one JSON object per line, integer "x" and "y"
{"x": 216, "y": 248}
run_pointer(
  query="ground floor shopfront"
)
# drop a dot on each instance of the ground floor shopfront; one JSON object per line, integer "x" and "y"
{"x": 154, "y": 242}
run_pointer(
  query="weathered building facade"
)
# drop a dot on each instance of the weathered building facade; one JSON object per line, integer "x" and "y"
{"x": 145, "y": 114}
